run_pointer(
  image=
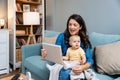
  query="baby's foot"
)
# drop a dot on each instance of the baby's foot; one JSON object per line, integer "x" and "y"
{"x": 50, "y": 67}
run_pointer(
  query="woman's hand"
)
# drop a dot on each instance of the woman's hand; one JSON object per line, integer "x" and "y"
{"x": 43, "y": 53}
{"x": 78, "y": 69}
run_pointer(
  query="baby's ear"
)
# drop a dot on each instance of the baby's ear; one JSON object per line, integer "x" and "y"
{"x": 70, "y": 43}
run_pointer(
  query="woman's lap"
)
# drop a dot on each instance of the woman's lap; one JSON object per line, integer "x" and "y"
{"x": 64, "y": 74}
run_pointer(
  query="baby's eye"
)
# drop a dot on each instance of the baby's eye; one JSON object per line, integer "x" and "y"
{"x": 74, "y": 41}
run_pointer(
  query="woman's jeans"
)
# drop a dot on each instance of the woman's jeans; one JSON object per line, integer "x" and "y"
{"x": 64, "y": 74}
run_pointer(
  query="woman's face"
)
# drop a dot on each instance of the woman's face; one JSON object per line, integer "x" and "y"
{"x": 74, "y": 27}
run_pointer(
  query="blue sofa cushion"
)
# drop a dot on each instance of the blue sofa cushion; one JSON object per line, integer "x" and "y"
{"x": 48, "y": 33}
{"x": 38, "y": 66}
{"x": 102, "y": 39}
{"x": 104, "y": 77}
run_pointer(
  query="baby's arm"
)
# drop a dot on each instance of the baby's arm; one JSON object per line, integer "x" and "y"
{"x": 65, "y": 58}
{"x": 83, "y": 59}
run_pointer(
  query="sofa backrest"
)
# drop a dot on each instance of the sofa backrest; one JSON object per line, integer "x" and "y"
{"x": 102, "y": 39}
{"x": 50, "y": 36}
{"x": 95, "y": 38}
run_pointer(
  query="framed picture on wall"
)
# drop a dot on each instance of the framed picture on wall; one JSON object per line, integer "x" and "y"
{"x": 26, "y": 8}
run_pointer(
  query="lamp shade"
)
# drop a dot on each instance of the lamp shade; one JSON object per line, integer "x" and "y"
{"x": 31, "y": 18}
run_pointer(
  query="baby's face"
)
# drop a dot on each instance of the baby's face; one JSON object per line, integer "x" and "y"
{"x": 75, "y": 43}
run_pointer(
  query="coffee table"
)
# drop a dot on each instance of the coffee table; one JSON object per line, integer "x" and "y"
{"x": 9, "y": 77}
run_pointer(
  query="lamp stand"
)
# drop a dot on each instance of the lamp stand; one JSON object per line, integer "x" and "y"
{"x": 31, "y": 36}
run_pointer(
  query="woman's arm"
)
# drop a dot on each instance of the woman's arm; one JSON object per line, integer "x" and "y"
{"x": 88, "y": 56}
{"x": 80, "y": 68}
{"x": 60, "y": 41}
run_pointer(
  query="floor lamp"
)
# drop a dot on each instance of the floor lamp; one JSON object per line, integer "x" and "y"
{"x": 31, "y": 18}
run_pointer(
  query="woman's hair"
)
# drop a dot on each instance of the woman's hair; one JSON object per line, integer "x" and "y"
{"x": 82, "y": 31}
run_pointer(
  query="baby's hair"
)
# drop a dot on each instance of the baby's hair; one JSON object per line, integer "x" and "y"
{"x": 72, "y": 37}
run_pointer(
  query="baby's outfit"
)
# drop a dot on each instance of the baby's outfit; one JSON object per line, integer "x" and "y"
{"x": 85, "y": 75}
{"x": 55, "y": 69}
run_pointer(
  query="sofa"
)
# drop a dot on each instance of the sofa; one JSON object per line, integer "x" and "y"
{"x": 33, "y": 62}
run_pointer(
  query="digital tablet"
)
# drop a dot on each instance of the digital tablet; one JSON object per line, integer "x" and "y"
{"x": 54, "y": 53}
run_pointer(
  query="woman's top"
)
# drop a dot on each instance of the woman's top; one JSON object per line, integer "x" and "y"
{"x": 60, "y": 41}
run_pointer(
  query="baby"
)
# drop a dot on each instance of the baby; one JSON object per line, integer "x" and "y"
{"x": 75, "y": 56}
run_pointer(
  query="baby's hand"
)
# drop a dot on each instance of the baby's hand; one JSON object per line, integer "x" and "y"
{"x": 83, "y": 59}
{"x": 65, "y": 58}
{"x": 82, "y": 62}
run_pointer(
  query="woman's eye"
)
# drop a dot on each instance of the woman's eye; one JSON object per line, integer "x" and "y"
{"x": 75, "y": 24}
{"x": 70, "y": 24}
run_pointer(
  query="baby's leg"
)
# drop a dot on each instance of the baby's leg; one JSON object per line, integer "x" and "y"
{"x": 50, "y": 67}
{"x": 70, "y": 64}
{"x": 74, "y": 76}
{"x": 54, "y": 71}
{"x": 90, "y": 75}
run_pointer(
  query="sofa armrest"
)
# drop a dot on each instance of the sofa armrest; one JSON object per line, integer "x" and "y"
{"x": 31, "y": 50}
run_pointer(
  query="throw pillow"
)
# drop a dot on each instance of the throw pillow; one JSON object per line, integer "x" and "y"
{"x": 107, "y": 58}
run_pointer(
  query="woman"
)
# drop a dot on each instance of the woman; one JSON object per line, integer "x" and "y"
{"x": 75, "y": 26}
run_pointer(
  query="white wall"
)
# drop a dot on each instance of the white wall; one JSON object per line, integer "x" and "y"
{"x": 3, "y": 8}
{"x": 49, "y": 13}
{"x": 100, "y": 15}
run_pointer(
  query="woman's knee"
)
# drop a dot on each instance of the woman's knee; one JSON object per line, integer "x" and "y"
{"x": 64, "y": 74}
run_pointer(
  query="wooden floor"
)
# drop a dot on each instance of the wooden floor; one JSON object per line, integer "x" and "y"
{"x": 11, "y": 73}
